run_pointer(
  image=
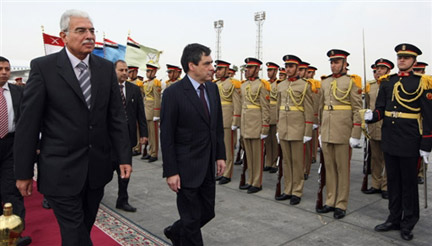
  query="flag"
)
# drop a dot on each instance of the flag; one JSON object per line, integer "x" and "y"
{"x": 99, "y": 49}
{"x": 139, "y": 55}
{"x": 52, "y": 44}
{"x": 114, "y": 51}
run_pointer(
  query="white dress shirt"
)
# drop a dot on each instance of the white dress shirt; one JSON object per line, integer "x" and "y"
{"x": 11, "y": 114}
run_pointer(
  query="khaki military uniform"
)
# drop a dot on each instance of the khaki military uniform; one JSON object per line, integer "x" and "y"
{"x": 271, "y": 144}
{"x": 255, "y": 118}
{"x": 379, "y": 175}
{"x": 152, "y": 102}
{"x": 229, "y": 91}
{"x": 168, "y": 83}
{"x": 340, "y": 102}
{"x": 312, "y": 146}
{"x": 295, "y": 115}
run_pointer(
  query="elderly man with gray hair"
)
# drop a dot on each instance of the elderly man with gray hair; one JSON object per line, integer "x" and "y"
{"x": 73, "y": 98}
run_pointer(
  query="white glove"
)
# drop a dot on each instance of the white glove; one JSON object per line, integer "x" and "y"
{"x": 263, "y": 136}
{"x": 425, "y": 156}
{"x": 306, "y": 139}
{"x": 156, "y": 118}
{"x": 368, "y": 114}
{"x": 355, "y": 143}
{"x": 315, "y": 126}
{"x": 277, "y": 137}
{"x": 233, "y": 128}
{"x": 319, "y": 139}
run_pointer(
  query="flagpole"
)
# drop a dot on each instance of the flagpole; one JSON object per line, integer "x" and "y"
{"x": 43, "y": 42}
{"x": 103, "y": 47}
{"x": 364, "y": 59}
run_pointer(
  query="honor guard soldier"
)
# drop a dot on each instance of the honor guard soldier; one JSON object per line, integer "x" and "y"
{"x": 310, "y": 73}
{"x": 133, "y": 78}
{"x": 271, "y": 144}
{"x": 404, "y": 104}
{"x": 232, "y": 72}
{"x": 282, "y": 74}
{"x": 152, "y": 102}
{"x": 255, "y": 118}
{"x": 229, "y": 91}
{"x": 173, "y": 75}
{"x": 379, "y": 177}
{"x": 294, "y": 127}
{"x": 340, "y": 102}
{"x": 303, "y": 69}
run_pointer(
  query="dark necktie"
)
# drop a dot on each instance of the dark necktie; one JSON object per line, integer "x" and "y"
{"x": 84, "y": 81}
{"x": 122, "y": 95}
{"x": 204, "y": 102}
{"x": 4, "y": 129}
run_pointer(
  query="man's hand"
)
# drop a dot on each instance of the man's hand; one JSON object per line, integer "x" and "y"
{"x": 425, "y": 156}
{"x": 220, "y": 167}
{"x": 25, "y": 186}
{"x": 306, "y": 139}
{"x": 315, "y": 126}
{"x": 233, "y": 128}
{"x": 125, "y": 171}
{"x": 143, "y": 140}
{"x": 368, "y": 115}
{"x": 174, "y": 182}
{"x": 355, "y": 143}
{"x": 263, "y": 136}
{"x": 156, "y": 118}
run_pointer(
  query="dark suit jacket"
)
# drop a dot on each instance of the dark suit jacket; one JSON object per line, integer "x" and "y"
{"x": 16, "y": 94}
{"x": 191, "y": 142}
{"x": 76, "y": 141}
{"x": 135, "y": 113}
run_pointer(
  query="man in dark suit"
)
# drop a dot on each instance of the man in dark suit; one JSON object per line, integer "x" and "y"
{"x": 192, "y": 141}
{"x": 133, "y": 104}
{"x": 10, "y": 98}
{"x": 73, "y": 98}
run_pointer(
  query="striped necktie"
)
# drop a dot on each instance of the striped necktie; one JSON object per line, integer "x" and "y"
{"x": 84, "y": 81}
{"x": 4, "y": 128}
{"x": 122, "y": 95}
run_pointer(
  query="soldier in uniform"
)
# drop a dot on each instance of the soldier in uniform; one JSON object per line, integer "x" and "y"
{"x": 231, "y": 72}
{"x": 310, "y": 73}
{"x": 379, "y": 177}
{"x": 340, "y": 102}
{"x": 152, "y": 102}
{"x": 303, "y": 69}
{"x": 404, "y": 104}
{"x": 255, "y": 118}
{"x": 282, "y": 74}
{"x": 229, "y": 91}
{"x": 271, "y": 144}
{"x": 294, "y": 127}
{"x": 173, "y": 75}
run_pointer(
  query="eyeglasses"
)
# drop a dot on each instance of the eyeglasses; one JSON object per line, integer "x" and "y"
{"x": 82, "y": 30}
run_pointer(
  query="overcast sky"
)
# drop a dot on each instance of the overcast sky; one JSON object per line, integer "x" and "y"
{"x": 307, "y": 29}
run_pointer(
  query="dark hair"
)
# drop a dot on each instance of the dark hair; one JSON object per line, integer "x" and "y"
{"x": 193, "y": 53}
{"x": 118, "y": 61}
{"x": 3, "y": 59}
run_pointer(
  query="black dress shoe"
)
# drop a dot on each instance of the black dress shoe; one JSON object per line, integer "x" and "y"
{"x": 244, "y": 187}
{"x": 266, "y": 168}
{"x": 325, "y": 209}
{"x": 152, "y": 159}
{"x": 407, "y": 235}
{"x": 313, "y": 160}
{"x": 224, "y": 180}
{"x": 420, "y": 180}
{"x": 306, "y": 176}
{"x": 126, "y": 207}
{"x": 384, "y": 194}
{"x": 387, "y": 226}
{"x": 23, "y": 241}
{"x": 134, "y": 153}
{"x": 253, "y": 189}
{"x": 273, "y": 170}
{"x": 218, "y": 178}
{"x": 170, "y": 235}
{"x": 145, "y": 157}
{"x": 295, "y": 200}
{"x": 239, "y": 162}
{"x": 45, "y": 204}
{"x": 282, "y": 197}
{"x": 372, "y": 190}
{"x": 339, "y": 213}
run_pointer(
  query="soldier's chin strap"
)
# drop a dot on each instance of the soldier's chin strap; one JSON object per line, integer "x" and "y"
{"x": 253, "y": 74}
{"x": 342, "y": 67}
{"x": 410, "y": 67}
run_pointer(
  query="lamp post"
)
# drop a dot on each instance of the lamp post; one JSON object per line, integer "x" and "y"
{"x": 218, "y": 25}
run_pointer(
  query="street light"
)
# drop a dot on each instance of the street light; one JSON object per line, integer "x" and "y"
{"x": 218, "y": 25}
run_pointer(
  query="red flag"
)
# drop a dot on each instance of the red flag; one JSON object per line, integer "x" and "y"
{"x": 52, "y": 44}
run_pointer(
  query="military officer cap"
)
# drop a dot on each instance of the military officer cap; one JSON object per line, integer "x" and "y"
{"x": 151, "y": 66}
{"x": 220, "y": 63}
{"x": 282, "y": 70}
{"x": 232, "y": 69}
{"x": 420, "y": 65}
{"x": 272, "y": 65}
{"x": 18, "y": 78}
{"x": 173, "y": 68}
{"x": 373, "y": 66}
{"x": 335, "y": 54}
{"x": 312, "y": 68}
{"x": 291, "y": 59}
{"x": 132, "y": 67}
{"x": 407, "y": 50}
{"x": 304, "y": 64}
{"x": 384, "y": 62}
{"x": 252, "y": 62}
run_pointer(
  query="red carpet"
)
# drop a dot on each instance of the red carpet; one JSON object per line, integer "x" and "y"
{"x": 42, "y": 226}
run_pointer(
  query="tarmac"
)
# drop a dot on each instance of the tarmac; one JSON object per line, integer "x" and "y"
{"x": 258, "y": 219}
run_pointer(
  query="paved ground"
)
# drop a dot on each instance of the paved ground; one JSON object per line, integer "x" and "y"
{"x": 257, "y": 219}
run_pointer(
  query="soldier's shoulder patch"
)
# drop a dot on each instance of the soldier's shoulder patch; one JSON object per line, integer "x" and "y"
{"x": 429, "y": 96}
{"x": 312, "y": 85}
{"x": 266, "y": 84}
{"x": 157, "y": 82}
{"x": 268, "y": 97}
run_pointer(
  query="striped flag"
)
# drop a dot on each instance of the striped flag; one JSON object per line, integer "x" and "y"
{"x": 99, "y": 49}
{"x": 139, "y": 55}
{"x": 114, "y": 51}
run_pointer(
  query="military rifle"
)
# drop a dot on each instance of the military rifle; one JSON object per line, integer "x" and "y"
{"x": 280, "y": 173}
{"x": 321, "y": 181}
{"x": 366, "y": 164}
{"x": 243, "y": 174}
{"x": 240, "y": 155}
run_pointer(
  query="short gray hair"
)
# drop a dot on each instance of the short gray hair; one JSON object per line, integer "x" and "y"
{"x": 65, "y": 18}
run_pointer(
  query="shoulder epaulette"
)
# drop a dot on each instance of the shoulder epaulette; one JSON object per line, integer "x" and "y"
{"x": 139, "y": 83}
{"x": 157, "y": 82}
{"x": 357, "y": 80}
{"x": 367, "y": 87}
{"x": 317, "y": 83}
{"x": 236, "y": 83}
{"x": 323, "y": 77}
{"x": 313, "y": 85}
{"x": 266, "y": 84}
{"x": 385, "y": 77}
{"x": 426, "y": 82}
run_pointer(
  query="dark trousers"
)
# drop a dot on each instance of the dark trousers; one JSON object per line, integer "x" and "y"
{"x": 76, "y": 215}
{"x": 123, "y": 196}
{"x": 196, "y": 208}
{"x": 402, "y": 190}
{"x": 8, "y": 189}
